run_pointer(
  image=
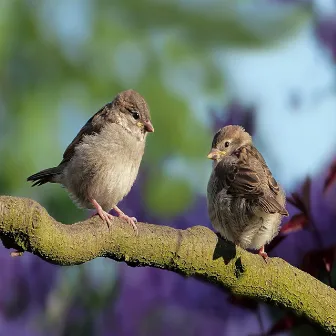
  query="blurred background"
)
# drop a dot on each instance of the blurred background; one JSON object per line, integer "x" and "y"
{"x": 266, "y": 65}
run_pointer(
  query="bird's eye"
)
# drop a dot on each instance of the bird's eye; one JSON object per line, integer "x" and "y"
{"x": 226, "y": 144}
{"x": 135, "y": 114}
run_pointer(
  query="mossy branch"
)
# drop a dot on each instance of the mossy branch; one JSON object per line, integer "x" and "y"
{"x": 25, "y": 225}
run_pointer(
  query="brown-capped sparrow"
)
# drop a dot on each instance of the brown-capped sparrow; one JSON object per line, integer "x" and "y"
{"x": 101, "y": 164}
{"x": 245, "y": 202}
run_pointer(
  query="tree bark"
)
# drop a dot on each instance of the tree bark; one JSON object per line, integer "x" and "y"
{"x": 26, "y": 226}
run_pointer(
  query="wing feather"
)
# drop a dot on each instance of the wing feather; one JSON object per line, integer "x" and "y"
{"x": 251, "y": 180}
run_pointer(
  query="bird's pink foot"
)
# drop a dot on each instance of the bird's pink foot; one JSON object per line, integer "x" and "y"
{"x": 105, "y": 216}
{"x": 16, "y": 253}
{"x": 262, "y": 253}
{"x": 130, "y": 220}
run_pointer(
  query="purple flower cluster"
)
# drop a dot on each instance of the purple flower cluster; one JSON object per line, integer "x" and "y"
{"x": 234, "y": 114}
{"x": 25, "y": 283}
{"x": 326, "y": 32}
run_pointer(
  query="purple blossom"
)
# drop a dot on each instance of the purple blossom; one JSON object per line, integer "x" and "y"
{"x": 26, "y": 283}
{"x": 234, "y": 114}
{"x": 326, "y": 32}
{"x": 320, "y": 231}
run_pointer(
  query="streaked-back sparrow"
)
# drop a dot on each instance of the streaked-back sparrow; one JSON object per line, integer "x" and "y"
{"x": 245, "y": 202}
{"x": 101, "y": 164}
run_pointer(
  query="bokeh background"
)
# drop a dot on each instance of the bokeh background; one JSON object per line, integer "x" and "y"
{"x": 267, "y": 65}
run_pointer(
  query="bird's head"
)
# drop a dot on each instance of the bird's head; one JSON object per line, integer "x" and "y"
{"x": 227, "y": 141}
{"x": 132, "y": 112}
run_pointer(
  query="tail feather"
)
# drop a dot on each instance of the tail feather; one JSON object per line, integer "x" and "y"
{"x": 271, "y": 205}
{"x": 44, "y": 176}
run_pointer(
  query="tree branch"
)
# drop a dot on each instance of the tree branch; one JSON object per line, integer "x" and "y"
{"x": 25, "y": 225}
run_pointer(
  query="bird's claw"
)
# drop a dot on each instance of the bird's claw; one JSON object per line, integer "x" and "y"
{"x": 262, "y": 253}
{"x": 265, "y": 256}
{"x": 105, "y": 216}
{"x": 16, "y": 253}
{"x": 130, "y": 220}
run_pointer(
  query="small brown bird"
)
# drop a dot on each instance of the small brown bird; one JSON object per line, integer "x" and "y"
{"x": 101, "y": 164}
{"x": 245, "y": 202}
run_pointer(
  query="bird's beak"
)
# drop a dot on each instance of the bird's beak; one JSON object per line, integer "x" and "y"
{"x": 148, "y": 126}
{"x": 215, "y": 154}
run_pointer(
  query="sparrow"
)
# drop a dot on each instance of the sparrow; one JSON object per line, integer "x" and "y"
{"x": 101, "y": 164}
{"x": 245, "y": 202}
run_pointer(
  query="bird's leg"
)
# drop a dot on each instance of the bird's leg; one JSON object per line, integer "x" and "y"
{"x": 16, "y": 253}
{"x": 105, "y": 216}
{"x": 262, "y": 253}
{"x": 130, "y": 220}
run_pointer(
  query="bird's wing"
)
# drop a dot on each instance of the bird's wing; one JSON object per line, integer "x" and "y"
{"x": 93, "y": 125}
{"x": 272, "y": 183}
{"x": 245, "y": 181}
{"x": 241, "y": 180}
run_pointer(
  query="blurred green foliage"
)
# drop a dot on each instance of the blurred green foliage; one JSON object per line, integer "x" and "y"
{"x": 62, "y": 60}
